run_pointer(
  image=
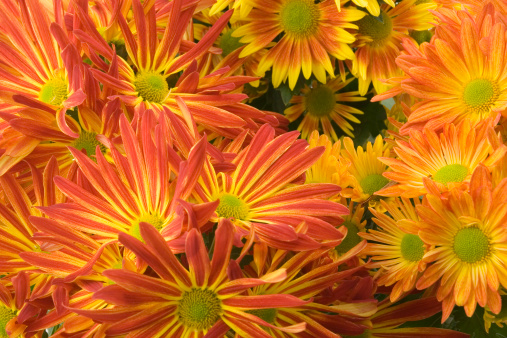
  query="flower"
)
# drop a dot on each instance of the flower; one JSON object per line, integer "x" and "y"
{"x": 448, "y": 158}
{"x": 261, "y": 201}
{"x": 396, "y": 248}
{"x": 378, "y": 41}
{"x": 320, "y": 107}
{"x": 467, "y": 232}
{"x": 310, "y": 33}
{"x": 453, "y": 77}
{"x": 182, "y": 301}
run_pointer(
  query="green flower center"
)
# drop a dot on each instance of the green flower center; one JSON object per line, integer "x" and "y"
{"x": 351, "y": 240}
{"x": 152, "y": 87}
{"x": 320, "y": 101}
{"x": 373, "y": 183}
{"x": 54, "y": 91}
{"x": 154, "y": 220}
{"x": 199, "y": 309}
{"x": 232, "y": 207}
{"x": 88, "y": 142}
{"x": 6, "y": 314}
{"x": 480, "y": 94}
{"x": 267, "y": 315}
{"x": 412, "y": 248}
{"x": 471, "y": 245}
{"x": 377, "y": 28}
{"x": 451, "y": 173}
{"x": 229, "y": 43}
{"x": 300, "y": 17}
{"x": 421, "y": 36}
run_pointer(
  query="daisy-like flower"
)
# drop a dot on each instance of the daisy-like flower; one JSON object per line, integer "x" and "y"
{"x": 467, "y": 230}
{"x": 378, "y": 41}
{"x": 259, "y": 198}
{"x": 181, "y": 301}
{"x": 448, "y": 158}
{"x": 396, "y": 247}
{"x": 366, "y": 169}
{"x": 322, "y": 108}
{"x": 142, "y": 186}
{"x": 310, "y": 33}
{"x": 454, "y": 77}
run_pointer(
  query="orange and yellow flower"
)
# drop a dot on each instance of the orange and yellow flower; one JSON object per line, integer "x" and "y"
{"x": 310, "y": 31}
{"x": 322, "y": 107}
{"x": 467, "y": 232}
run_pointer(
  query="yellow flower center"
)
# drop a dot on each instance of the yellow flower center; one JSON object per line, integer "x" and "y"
{"x": 377, "y": 28}
{"x": 54, "y": 91}
{"x": 300, "y": 17}
{"x": 412, "y": 248}
{"x": 6, "y": 314}
{"x": 320, "y": 101}
{"x": 153, "y": 219}
{"x": 232, "y": 207}
{"x": 373, "y": 183}
{"x": 152, "y": 87}
{"x": 471, "y": 245}
{"x": 480, "y": 94}
{"x": 199, "y": 309}
{"x": 88, "y": 142}
{"x": 351, "y": 240}
{"x": 451, "y": 173}
{"x": 267, "y": 315}
{"x": 229, "y": 43}
{"x": 421, "y": 36}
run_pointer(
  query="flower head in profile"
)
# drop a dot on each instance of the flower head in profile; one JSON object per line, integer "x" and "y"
{"x": 185, "y": 301}
{"x": 448, "y": 158}
{"x": 466, "y": 230}
{"x": 264, "y": 198}
{"x": 310, "y": 33}
{"x": 323, "y": 107}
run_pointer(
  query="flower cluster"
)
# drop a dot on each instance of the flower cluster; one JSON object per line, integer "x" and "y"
{"x": 223, "y": 168}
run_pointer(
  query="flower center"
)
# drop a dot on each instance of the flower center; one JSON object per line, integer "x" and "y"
{"x": 373, "y": 183}
{"x": 152, "y": 87}
{"x": 300, "y": 17}
{"x": 232, "y": 207}
{"x": 6, "y": 314}
{"x": 480, "y": 94}
{"x": 351, "y": 240}
{"x": 229, "y": 43}
{"x": 153, "y": 219}
{"x": 320, "y": 101}
{"x": 267, "y": 315}
{"x": 412, "y": 248}
{"x": 199, "y": 309}
{"x": 471, "y": 245}
{"x": 54, "y": 91}
{"x": 377, "y": 28}
{"x": 421, "y": 36}
{"x": 88, "y": 142}
{"x": 451, "y": 173}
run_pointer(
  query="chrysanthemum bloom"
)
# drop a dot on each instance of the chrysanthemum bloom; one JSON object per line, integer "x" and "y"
{"x": 366, "y": 169}
{"x": 308, "y": 274}
{"x": 181, "y": 301}
{"x": 396, "y": 248}
{"x": 456, "y": 76}
{"x": 260, "y": 200}
{"x": 448, "y": 158}
{"x": 36, "y": 72}
{"x": 467, "y": 230}
{"x": 330, "y": 167}
{"x": 378, "y": 41}
{"x": 390, "y": 316}
{"x": 142, "y": 186}
{"x": 310, "y": 31}
{"x": 321, "y": 106}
